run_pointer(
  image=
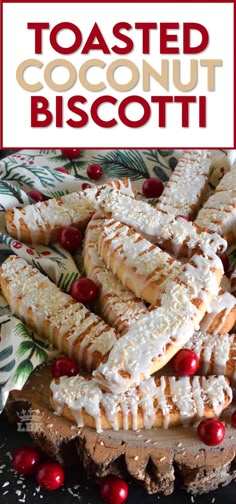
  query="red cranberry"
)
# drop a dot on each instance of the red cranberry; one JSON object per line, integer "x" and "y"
{"x": 185, "y": 363}
{"x": 185, "y": 217}
{"x": 26, "y": 459}
{"x": 233, "y": 419}
{"x": 114, "y": 490}
{"x": 94, "y": 171}
{"x": 70, "y": 153}
{"x": 36, "y": 196}
{"x": 86, "y": 185}
{"x": 64, "y": 366}
{"x": 152, "y": 188}
{"x": 226, "y": 263}
{"x": 84, "y": 290}
{"x": 70, "y": 238}
{"x": 50, "y": 475}
{"x": 211, "y": 431}
{"x": 62, "y": 170}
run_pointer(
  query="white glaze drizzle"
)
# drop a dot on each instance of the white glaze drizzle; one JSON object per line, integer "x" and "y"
{"x": 52, "y": 313}
{"x": 213, "y": 351}
{"x": 219, "y": 211}
{"x": 221, "y": 308}
{"x": 74, "y": 208}
{"x": 181, "y": 196}
{"x": 117, "y": 305}
{"x": 191, "y": 396}
{"x": 160, "y": 227}
{"x": 173, "y": 323}
{"x": 146, "y": 265}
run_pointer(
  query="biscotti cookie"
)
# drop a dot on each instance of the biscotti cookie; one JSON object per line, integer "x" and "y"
{"x": 42, "y": 222}
{"x": 157, "y": 402}
{"x": 222, "y": 315}
{"x": 145, "y": 269}
{"x": 155, "y": 337}
{"x": 141, "y": 266}
{"x": 219, "y": 211}
{"x": 173, "y": 234}
{"x": 217, "y": 354}
{"x": 117, "y": 305}
{"x": 54, "y": 315}
{"x": 181, "y": 196}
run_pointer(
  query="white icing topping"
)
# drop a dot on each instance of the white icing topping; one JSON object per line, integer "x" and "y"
{"x": 181, "y": 196}
{"x": 145, "y": 267}
{"x": 52, "y": 313}
{"x": 118, "y": 306}
{"x": 214, "y": 351}
{"x": 160, "y": 227}
{"x": 193, "y": 397}
{"x": 219, "y": 211}
{"x": 221, "y": 307}
{"x": 71, "y": 209}
{"x": 183, "y": 305}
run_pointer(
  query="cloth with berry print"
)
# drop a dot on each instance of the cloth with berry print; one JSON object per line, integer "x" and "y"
{"x": 53, "y": 174}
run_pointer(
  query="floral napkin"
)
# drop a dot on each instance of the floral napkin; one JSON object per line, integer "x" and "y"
{"x": 20, "y": 349}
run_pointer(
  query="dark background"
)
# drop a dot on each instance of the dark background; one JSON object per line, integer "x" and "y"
{"x": 77, "y": 489}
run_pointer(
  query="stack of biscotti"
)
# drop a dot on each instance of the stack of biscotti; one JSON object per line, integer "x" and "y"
{"x": 137, "y": 255}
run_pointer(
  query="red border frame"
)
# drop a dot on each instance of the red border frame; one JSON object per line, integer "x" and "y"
{"x": 111, "y": 1}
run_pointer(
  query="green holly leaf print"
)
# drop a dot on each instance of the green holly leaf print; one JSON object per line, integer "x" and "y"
{"x": 8, "y": 189}
{"x": 20, "y": 330}
{"x": 65, "y": 280}
{"x": 57, "y": 194}
{"x": 72, "y": 165}
{"x": 25, "y": 347}
{"x": 40, "y": 353}
{"x": 47, "y": 176}
{"x": 43, "y": 344}
{"x": 23, "y": 371}
{"x": 119, "y": 164}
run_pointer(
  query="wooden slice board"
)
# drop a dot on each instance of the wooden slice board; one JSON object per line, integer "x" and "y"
{"x": 159, "y": 459}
